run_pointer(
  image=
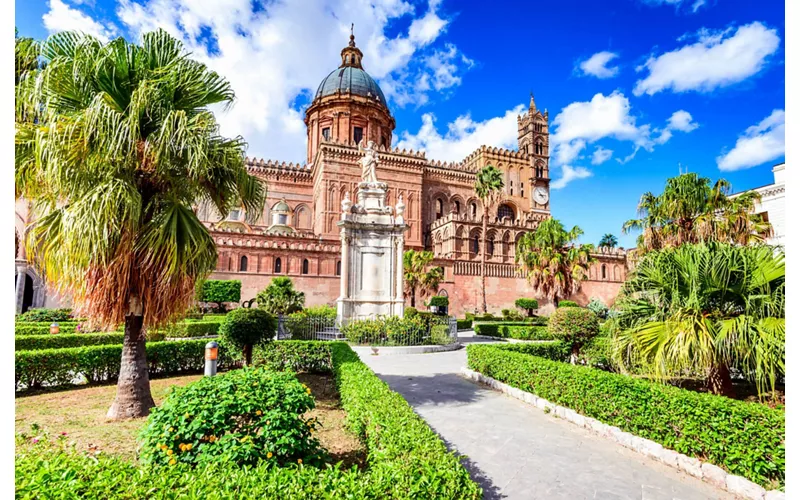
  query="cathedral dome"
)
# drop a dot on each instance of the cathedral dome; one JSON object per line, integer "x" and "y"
{"x": 350, "y": 79}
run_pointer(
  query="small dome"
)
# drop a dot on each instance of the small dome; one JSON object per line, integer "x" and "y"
{"x": 350, "y": 79}
{"x": 281, "y": 206}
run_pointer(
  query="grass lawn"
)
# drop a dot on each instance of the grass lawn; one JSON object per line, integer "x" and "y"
{"x": 81, "y": 413}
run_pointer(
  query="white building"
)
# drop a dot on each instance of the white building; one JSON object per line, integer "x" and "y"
{"x": 773, "y": 206}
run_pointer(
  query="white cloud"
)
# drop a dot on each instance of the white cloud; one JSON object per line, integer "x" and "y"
{"x": 276, "y": 55}
{"x": 62, "y": 17}
{"x": 681, "y": 120}
{"x": 759, "y": 144}
{"x": 569, "y": 174}
{"x": 601, "y": 155}
{"x": 678, "y": 4}
{"x": 597, "y": 65}
{"x": 717, "y": 59}
{"x": 463, "y": 136}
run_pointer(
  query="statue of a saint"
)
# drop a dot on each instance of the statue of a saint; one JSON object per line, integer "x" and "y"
{"x": 368, "y": 163}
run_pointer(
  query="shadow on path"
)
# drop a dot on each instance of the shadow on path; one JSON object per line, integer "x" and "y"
{"x": 438, "y": 389}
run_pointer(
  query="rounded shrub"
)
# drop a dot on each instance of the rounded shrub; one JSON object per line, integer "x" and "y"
{"x": 46, "y": 315}
{"x": 567, "y": 303}
{"x": 574, "y": 325}
{"x": 409, "y": 312}
{"x": 598, "y": 307}
{"x": 243, "y": 417}
{"x": 527, "y": 304}
{"x": 244, "y": 328}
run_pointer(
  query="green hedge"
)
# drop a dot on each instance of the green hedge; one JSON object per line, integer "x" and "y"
{"x": 746, "y": 439}
{"x": 519, "y": 329}
{"x": 53, "y": 367}
{"x": 194, "y": 328}
{"x": 535, "y": 320}
{"x": 34, "y": 328}
{"x": 464, "y": 324}
{"x": 60, "y": 341}
{"x": 406, "y": 458}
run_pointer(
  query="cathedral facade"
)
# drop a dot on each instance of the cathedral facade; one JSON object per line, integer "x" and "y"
{"x": 297, "y": 235}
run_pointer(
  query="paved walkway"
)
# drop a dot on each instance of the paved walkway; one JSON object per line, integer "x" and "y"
{"x": 517, "y": 451}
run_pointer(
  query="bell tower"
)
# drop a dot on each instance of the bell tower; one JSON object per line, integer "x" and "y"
{"x": 533, "y": 138}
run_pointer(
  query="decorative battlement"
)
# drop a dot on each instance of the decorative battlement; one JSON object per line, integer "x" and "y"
{"x": 609, "y": 252}
{"x": 261, "y": 166}
{"x": 531, "y": 221}
{"x": 379, "y": 148}
{"x": 497, "y": 152}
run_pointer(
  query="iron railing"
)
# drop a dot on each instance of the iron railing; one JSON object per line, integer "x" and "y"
{"x": 436, "y": 330}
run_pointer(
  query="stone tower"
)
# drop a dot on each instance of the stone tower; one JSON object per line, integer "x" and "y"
{"x": 533, "y": 139}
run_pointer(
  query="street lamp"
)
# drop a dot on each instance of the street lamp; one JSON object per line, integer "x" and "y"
{"x": 212, "y": 351}
{"x": 54, "y": 329}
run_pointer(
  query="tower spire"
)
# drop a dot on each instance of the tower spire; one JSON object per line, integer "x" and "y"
{"x": 532, "y": 106}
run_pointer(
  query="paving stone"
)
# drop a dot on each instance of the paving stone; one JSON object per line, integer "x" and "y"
{"x": 775, "y": 495}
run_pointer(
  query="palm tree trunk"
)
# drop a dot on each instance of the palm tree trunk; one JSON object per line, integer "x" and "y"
{"x": 133, "y": 397}
{"x": 483, "y": 258}
{"x": 719, "y": 380}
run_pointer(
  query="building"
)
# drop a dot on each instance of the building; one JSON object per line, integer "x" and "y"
{"x": 297, "y": 236}
{"x": 772, "y": 207}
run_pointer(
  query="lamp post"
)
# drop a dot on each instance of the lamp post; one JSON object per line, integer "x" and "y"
{"x": 212, "y": 350}
{"x": 54, "y": 328}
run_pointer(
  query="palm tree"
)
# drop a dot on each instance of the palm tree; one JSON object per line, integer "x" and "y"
{"x": 419, "y": 275}
{"x": 705, "y": 308}
{"x": 554, "y": 263}
{"x": 280, "y": 297}
{"x": 489, "y": 188}
{"x": 121, "y": 144}
{"x": 26, "y": 56}
{"x": 692, "y": 210}
{"x": 608, "y": 240}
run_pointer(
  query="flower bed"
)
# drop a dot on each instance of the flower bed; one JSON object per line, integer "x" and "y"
{"x": 62, "y": 340}
{"x": 406, "y": 458}
{"x": 744, "y": 438}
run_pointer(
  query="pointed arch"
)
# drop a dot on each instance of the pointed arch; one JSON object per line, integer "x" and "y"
{"x": 302, "y": 217}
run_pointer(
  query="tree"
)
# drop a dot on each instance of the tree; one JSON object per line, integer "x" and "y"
{"x": 280, "y": 297}
{"x": 245, "y": 328}
{"x": 574, "y": 325}
{"x": 26, "y": 56}
{"x": 489, "y": 188}
{"x": 553, "y": 262}
{"x": 704, "y": 309}
{"x": 219, "y": 292}
{"x": 419, "y": 275}
{"x": 527, "y": 304}
{"x": 608, "y": 241}
{"x": 692, "y": 210}
{"x": 114, "y": 143}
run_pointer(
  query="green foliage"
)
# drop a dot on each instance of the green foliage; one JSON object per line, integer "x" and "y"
{"x": 295, "y": 355}
{"x": 527, "y": 304}
{"x": 511, "y": 315}
{"x": 574, "y": 325}
{"x": 393, "y": 331}
{"x": 241, "y": 417}
{"x": 419, "y": 275}
{"x": 469, "y": 316}
{"x": 567, "y": 303}
{"x": 515, "y": 330}
{"x": 193, "y": 328}
{"x": 42, "y": 328}
{"x": 220, "y": 291}
{"x": 46, "y": 315}
{"x": 280, "y": 297}
{"x": 244, "y": 328}
{"x": 598, "y": 308}
{"x": 60, "y": 341}
{"x": 439, "y": 301}
{"x": 746, "y": 439}
{"x": 464, "y": 324}
{"x": 409, "y": 312}
{"x": 306, "y": 323}
{"x": 608, "y": 241}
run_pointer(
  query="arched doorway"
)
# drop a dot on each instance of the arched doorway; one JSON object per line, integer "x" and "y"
{"x": 27, "y": 293}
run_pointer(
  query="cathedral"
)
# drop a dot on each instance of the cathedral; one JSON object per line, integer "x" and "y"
{"x": 297, "y": 233}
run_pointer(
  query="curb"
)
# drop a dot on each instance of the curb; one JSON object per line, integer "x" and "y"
{"x": 413, "y": 349}
{"x": 704, "y": 471}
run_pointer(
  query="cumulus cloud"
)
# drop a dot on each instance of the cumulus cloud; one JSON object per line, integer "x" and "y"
{"x": 597, "y": 65}
{"x": 601, "y": 155}
{"x": 717, "y": 59}
{"x": 681, "y": 120}
{"x": 569, "y": 174}
{"x": 62, "y": 17}
{"x": 759, "y": 144}
{"x": 464, "y": 135}
{"x": 678, "y": 4}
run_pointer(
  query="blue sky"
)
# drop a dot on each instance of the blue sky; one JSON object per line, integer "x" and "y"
{"x": 634, "y": 88}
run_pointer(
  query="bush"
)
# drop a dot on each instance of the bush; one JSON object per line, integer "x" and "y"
{"x": 395, "y": 331}
{"x": 492, "y": 329}
{"x": 280, "y": 297}
{"x": 31, "y": 328}
{"x": 295, "y": 355}
{"x": 409, "y": 312}
{"x": 60, "y": 341}
{"x": 220, "y": 291}
{"x": 193, "y": 328}
{"x": 598, "y": 307}
{"x": 244, "y": 328}
{"x": 567, "y": 303}
{"x": 46, "y": 315}
{"x": 240, "y": 417}
{"x": 511, "y": 315}
{"x": 527, "y": 304}
{"x": 469, "y": 316}
{"x": 464, "y": 324}
{"x": 439, "y": 301}
{"x": 574, "y": 325}
{"x": 744, "y": 438}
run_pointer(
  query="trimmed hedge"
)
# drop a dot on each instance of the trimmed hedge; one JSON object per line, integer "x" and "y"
{"x": 196, "y": 328}
{"x": 567, "y": 303}
{"x": 514, "y": 330}
{"x": 535, "y": 320}
{"x": 464, "y": 324}
{"x": 746, "y": 439}
{"x": 406, "y": 458}
{"x": 34, "y": 328}
{"x": 60, "y": 341}
{"x": 53, "y": 367}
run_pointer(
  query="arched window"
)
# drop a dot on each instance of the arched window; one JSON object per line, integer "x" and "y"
{"x": 457, "y": 207}
{"x": 305, "y": 266}
{"x": 439, "y": 208}
{"x": 603, "y": 271}
{"x": 490, "y": 246}
{"x": 505, "y": 211}
{"x": 475, "y": 244}
{"x": 230, "y": 264}
{"x": 243, "y": 263}
{"x": 338, "y": 268}
{"x": 277, "y": 265}
{"x": 473, "y": 209}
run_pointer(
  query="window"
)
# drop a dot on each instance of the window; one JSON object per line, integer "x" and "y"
{"x": 505, "y": 211}
{"x": 383, "y": 141}
{"x": 338, "y": 268}
{"x": 282, "y": 218}
{"x": 230, "y": 263}
{"x": 305, "y": 266}
{"x": 457, "y": 207}
{"x": 475, "y": 244}
{"x": 473, "y": 209}
{"x": 603, "y": 271}
{"x": 511, "y": 188}
{"x": 243, "y": 263}
{"x": 277, "y": 268}
{"x": 234, "y": 214}
{"x": 326, "y": 133}
{"x": 490, "y": 246}
{"x": 358, "y": 134}
{"x": 439, "y": 209}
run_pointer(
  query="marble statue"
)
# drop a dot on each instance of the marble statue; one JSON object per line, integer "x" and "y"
{"x": 368, "y": 163}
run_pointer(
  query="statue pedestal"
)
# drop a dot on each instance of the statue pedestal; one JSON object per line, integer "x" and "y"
{"x": 372, "y": 256}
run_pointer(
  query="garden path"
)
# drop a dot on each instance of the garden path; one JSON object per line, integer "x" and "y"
{"x": 517, "y": 451}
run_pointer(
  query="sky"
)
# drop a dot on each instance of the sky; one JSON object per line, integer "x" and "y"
{"x": 636, "y": 90}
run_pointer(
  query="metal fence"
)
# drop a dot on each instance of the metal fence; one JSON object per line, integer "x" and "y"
{"x": 436, "y": 330}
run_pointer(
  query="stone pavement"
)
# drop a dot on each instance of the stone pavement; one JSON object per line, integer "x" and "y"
{"x": 517, "y": 451}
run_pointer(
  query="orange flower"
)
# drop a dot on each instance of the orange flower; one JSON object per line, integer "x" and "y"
{"x": 173, "y": 462}
{"x": 188, "y": 446}
{"x": 299, "y": 460}
{"x": 269, "y": 454}
{"x": 169, "y": 452}
{"x": 258, "y": 412}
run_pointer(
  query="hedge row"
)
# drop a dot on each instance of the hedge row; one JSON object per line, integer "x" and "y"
{"x": 406, "y": 458}
{"x": 514, "y": 330}
{"x": 535, "y": 320}
{"x": 33, "y": 328}
{"x": 60, "y": 341}
{"x": 53, "y": 367}
{"x": 464, "y": 324}
{"x": 746, "y": 439}
{"x": 196, "y": 328}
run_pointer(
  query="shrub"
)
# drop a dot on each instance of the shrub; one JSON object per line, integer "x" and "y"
{"x": 280, "y": 297}
{"x": 31, "y": 328}
{"x": 395, "y": 331}
{"x": 464, "y": 324}
{"x": 744, "y": 438}
{"x": 574, "y": 325}
{"x": 469, "y": 316}
{"x": 406, "y": 331}
{"x": 527, "y": 304}
{"x": 294, "y": 355}
{"x": 567, "y": 303}
{"x": 439, "y": 301}
{"x": 307, "y": 323}
{"x": 598, "y": 307}
{"x": 492, "y": 329}
{"x": 46, "y": 315}
{"x": 244, "y": 328}
{"x": 241, "y": 417}
{"x": 511, "y": 315}
{"x": 409, "y": 312}
{"x": 220, "y": 291}
{"x": 60, "y": 341}
{"x": 193, "y": 328}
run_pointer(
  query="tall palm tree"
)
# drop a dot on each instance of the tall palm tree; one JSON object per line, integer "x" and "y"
{"x": 121, "y": 145}
{"x": 608, "y": 240}
{"x": 489, "y": 188}
{"x": 692, "y": 210}
{"x": 554, "y": 263}
{"x": 419, "y": 275}
{"x": 26, "y": 56}
{"x": 705, "y": 308}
